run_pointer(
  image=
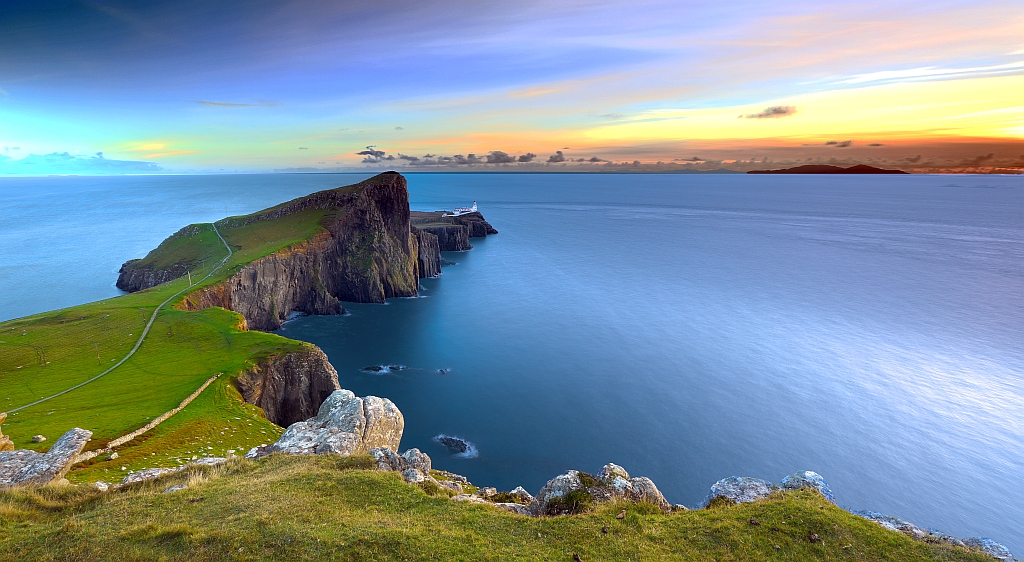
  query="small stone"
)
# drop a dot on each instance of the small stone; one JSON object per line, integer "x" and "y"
{"x": 101, "y": 486}
{"x": 755, "y": 522}
{"x": 38, "y": 439}
{"x": 486, "y": 492}
{"x": 813, "y": 537}
{"x": 680, "y": 507}
{"x": 412, "y": 475}
{"x": 604, "y": 530}
{"x": 113, "y": 456}
{"x": 175, "y": 488}
{"x": 621, "y": 515}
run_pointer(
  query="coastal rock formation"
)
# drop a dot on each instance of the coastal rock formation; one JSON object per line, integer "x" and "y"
{"x": 429, "y": 255}
{"x": 345, "y": 425}
{"x": 291, "y": 387}
{"x": 563, "y": 493}
{"x": 450, "y": 237}
{"x": 989, "y": 546}
{"x": 29, "y": 468}
{"x": 739, "y": 489}
{"x": 474, "y": 223}
{"x": 5, "y": 442}
{"x": 808, "y": 479}
{"x": 453, "y": 233}
{"x": 136, "y": 275}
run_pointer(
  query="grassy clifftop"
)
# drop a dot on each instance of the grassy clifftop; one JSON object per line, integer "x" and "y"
{"x": 320, "y": 508}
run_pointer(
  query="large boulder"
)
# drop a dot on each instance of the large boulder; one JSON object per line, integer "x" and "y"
{"x": 739, "y": 489}
{"x": 565, "y": 491}
{"x": 29, "y": 468}
{"x": 5, "y": 442}
{"x": 808, "y": 479}
{"x": 345, "y": 425}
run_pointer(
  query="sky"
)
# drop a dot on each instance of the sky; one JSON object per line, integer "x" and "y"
{"x": 185, "y": 86}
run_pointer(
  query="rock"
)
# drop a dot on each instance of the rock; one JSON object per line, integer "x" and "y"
{"x": 208, "y": 461}
{"x": 514, "y": 508}
{"x": 175, "y": 488}
{"x": 471, "y": 499}
{"x": 486, "y": 492}
{"x": 894, "y": 524}
{"x": 5, "y": 442}
{"x": 558, "y": 487}
{"x": 454, "y": 477}
{"x": 289, "y": 387}
{"x": 257, "y": 452}
{"x": 522, "y": 494}
{"x": 429, "y": 255}
{"x": 417, "y": 459}
{"x": 679, "y": 507}
{"x": 644, "y": 490}
{"x": 808, "y": 479}
{"x": 101, "y": 486}
{"x": 450, "y": 485}
{"x": 29, "y": 468}
{"x": 454, "y": 444}
{"x": 813, "y": 537}
{"x": 990, "y": 547}
{"x": 147, "y": 474}
{"x": 345, "y": 425}
{"x": 739, "y": 489}
{"x": 113, "y": 456}
{"x": 611, "y": 470}
{"x": 412, "y": 475}
{"x": 38, "y": 438}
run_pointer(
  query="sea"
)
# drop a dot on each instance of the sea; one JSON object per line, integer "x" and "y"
{"x": 686, "y": 327}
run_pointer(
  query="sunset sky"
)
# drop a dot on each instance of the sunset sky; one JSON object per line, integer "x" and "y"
{"x": 202, "y": 86}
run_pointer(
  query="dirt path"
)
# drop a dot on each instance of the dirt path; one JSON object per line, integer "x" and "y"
{"x": 145, "y": 332}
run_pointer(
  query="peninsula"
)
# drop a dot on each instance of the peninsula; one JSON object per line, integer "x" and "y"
{"x": 827, "y": 169}
{"x": 167, "y": 411}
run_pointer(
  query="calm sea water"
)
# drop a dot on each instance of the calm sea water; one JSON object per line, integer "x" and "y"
{"x": 686, "y": 327}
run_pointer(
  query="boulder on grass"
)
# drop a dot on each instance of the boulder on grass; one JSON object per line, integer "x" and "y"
{"x": 345, "y": 425}
{"x": 29, "y": 468}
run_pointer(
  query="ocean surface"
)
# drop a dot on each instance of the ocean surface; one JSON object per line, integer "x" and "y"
{"x": 688, "y": 328}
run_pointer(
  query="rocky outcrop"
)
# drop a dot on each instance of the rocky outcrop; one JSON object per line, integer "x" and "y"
{"x": 29, "y": 468}
{"x": 808, "y": 479}
{"x": 290, "y": 387}
{"x": 474, "y": 223}
{"x": 345, "y": 425}
{"x": 429, "y": 255}
{"x": 5, "y": 442}
{"x": 136, "y": 275}
{"x": 566, "y": 493}
{"x": 739, "y": 489}
{"x": 450, "y": 237}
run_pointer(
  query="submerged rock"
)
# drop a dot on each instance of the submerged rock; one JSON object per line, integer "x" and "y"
{"x": 29, "y": 468}
{"x": 739, "y": 489}
{"x": 345, "y": 425}
{"x": 808, "y": 479}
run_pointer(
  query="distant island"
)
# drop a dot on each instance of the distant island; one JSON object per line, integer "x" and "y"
{"x": 826, "y": 169}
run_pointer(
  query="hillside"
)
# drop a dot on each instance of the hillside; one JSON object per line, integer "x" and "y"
{"x": 326, "y": 507}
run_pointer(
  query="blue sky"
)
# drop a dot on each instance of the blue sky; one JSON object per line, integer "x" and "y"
{"x": 252, "y": 86}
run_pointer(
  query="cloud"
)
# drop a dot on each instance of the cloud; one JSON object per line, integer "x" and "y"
{"x": 933, "y": 73}
{"x": 209, "y": 103}
{"x": 876, "y": 144}
{"x": 528, "y": 157}
{"x": 694, "y": 159}
{"x": 772, "y": 112}
{"x": 65, "y": 163}
{"x": 373, "y": 155}
{"x": 410, "y": 159}
{"x": 977, "y": 161}
{"x": 556, "y": 157}
{"x": 595, "y": 159}
{"x": 913, "y": 159}
{"x": 4, "y": 92}
{"x": 399, "y": 128}
{"x": 612, "y": 115}
{"x": 499, "y": 157}
{"x": 840, "y": 144}
{"x": 303, "y": 148}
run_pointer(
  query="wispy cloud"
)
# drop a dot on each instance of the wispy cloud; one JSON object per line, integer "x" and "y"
{"x": 934, "y": 73}
{"x": 773, "y": 112}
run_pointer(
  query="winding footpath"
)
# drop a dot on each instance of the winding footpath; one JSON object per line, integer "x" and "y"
{"x": 145, "y": 332}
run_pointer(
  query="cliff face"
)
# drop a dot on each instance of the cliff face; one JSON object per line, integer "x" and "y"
{"x": 290, "y": 388}
{"x": 429, "y": 261}
{"x": 136, "y": 275}
{"x": 367, "y": 253}
{"x": 453, "y": 233}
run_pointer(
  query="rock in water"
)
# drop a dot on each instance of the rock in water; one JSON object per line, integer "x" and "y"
{"x": 808, "y": 479}
{"x": 5, "y": 442}
{"x": 739, "y": 489}
{"x": 29, "y": 468}
{"x": 345, "y": 425}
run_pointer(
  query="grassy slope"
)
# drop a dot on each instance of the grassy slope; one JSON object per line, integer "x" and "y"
{"x": 46, "y": 353}
{"x": 315, "y": 508}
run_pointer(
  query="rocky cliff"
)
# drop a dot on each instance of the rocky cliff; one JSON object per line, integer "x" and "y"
{"x": 289, "y": 388}
{"x": 366, "y": 252}
{"x": 453, "y": 233}
{"x": 136, "y": 275}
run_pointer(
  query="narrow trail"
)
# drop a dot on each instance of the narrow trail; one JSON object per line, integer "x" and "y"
{"x": 145, "y": 332}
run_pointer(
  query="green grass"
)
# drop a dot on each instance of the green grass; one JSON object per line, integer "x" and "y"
{"x": 317, "y": 508}
{"x": 46, "y": 353}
